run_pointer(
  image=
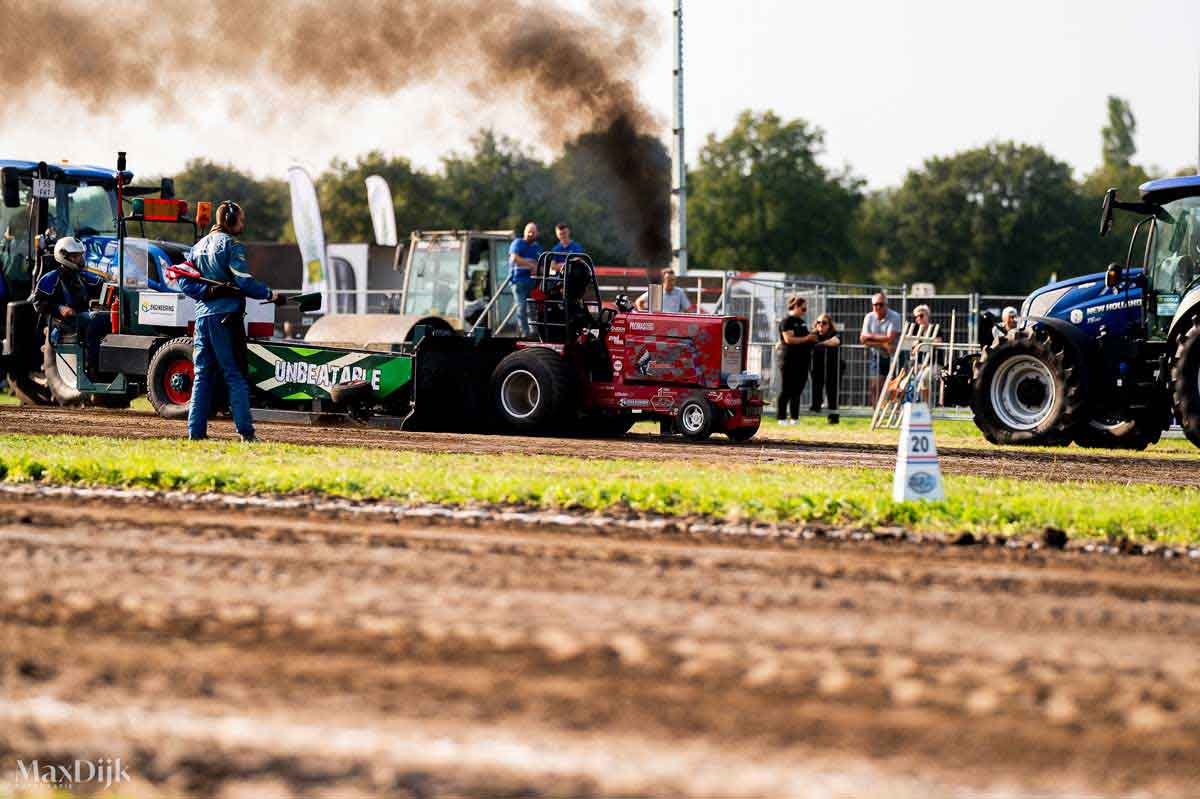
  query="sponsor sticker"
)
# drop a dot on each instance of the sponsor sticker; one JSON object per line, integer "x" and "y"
{"x": 921, "y": 482}
{"x": 1076, "y": 316}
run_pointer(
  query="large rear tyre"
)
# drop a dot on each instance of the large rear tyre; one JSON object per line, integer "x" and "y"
{"x": 170, "y": 377}
{"x": 1185, "y": 378}
{"x": 533, "y": 391}
{"x": 739, "y": 434}
{"x": 1135, "y": 434}
{"x": 31, "y": 388}
{"x": 1027, "y": 390}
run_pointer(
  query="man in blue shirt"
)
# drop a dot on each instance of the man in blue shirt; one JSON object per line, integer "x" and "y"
{"x": 523, "y": 256}
{"x": 565, "y": 245}
{"x": 219, "y": 347}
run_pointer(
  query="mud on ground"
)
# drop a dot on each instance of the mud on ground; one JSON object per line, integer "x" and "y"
{"x": 289, "y": 651}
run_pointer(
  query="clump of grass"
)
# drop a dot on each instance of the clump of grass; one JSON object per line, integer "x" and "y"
{"x": 768, "y": 492}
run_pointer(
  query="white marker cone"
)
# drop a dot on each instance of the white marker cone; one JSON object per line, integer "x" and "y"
{"x": 918, "y": 473}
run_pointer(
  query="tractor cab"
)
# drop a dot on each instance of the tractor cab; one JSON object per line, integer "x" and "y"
{"x": 1173, "y": 261}
{"x": 460, "y": 276}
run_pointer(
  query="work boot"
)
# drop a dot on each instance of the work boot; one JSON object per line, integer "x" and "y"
{"x": 249, "y": 438}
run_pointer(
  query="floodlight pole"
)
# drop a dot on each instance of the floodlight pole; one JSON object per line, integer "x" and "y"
{"x": 679, "y": 250}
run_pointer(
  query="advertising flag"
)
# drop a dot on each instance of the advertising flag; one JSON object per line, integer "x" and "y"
{"x": 383, "y": 213}
{"x": 310, "y": 235}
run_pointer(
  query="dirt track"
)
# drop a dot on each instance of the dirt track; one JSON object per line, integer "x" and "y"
{"x": 272, "y": 652}
{"x": 1072, "y": 464}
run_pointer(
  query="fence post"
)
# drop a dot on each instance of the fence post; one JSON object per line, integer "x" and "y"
{"x": 973, "y": 317}
{"x": 904, "y": 303}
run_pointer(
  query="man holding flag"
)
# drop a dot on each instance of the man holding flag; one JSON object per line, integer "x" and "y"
{"x": 219, "y": 281}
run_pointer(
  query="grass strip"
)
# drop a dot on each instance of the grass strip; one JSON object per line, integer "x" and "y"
{"x": 768, "y": 492}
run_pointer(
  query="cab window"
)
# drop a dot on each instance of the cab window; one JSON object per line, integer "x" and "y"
{"x": 14, "y": 239}
{"x": 435, "y": 279}
{"x": 83, "y": 210}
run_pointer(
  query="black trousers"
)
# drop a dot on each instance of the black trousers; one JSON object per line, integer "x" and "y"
{"x": 826, "y": 371}
{"x": 794, "y": 376}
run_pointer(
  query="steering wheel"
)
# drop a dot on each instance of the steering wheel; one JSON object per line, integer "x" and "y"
{"x": 623, "y": 304}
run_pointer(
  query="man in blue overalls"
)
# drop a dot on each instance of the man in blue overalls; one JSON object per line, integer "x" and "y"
{"x": 219, "y": 349}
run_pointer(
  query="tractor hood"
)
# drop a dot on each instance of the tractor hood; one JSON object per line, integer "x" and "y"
{"x": 148, "y": 258}
{"x": 1086, "y": 302}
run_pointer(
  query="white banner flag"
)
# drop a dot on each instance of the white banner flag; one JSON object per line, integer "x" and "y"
{"x": 310, "y": 235}
{"x": 383, "y": 213}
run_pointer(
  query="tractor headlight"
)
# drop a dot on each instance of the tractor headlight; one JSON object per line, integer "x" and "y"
{"x": 1042, "y": 304}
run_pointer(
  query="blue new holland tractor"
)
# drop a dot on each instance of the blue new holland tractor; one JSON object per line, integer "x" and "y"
{"x": 1107, "y": 359}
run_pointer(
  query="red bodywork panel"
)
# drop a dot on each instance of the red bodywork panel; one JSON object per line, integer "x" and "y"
{"x": 658, "y": 360}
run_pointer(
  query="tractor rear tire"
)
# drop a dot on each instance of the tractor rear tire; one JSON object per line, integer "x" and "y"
{"x": 533, "y": 391}
{"x": 695, "y": 419}
{"x": 1185, "y": 378}
{"x": 31, "y": 388}
{"x": 739, "y": 434}
{"x": 1135, "y": 434}
{"x": 1027, "y": 389}
{"x": 169, "y": 379}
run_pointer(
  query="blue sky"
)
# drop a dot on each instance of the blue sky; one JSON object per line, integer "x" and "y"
{"x": 892, "y": 82}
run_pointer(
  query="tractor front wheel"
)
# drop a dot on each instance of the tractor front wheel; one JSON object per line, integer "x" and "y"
{"x": 170, "y": 377}
{"x": 1026, "y": 389}
{"x": 695, "y": 419}
{"x": 532, "y": 391}
{"x": 1185, "y": 376}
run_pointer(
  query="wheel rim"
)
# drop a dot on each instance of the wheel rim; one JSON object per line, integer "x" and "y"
{"x": 1023, "y": 392}
{"x": 520, "y": 394}
{"x": 177, "y": 381}
{"x": 692, "y": 418}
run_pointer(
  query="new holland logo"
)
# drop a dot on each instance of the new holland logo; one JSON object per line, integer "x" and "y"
{"x": 324, "y": 375}
{"x": 921, "y": 482}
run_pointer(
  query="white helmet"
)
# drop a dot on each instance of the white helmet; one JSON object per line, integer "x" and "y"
{"x": 67, "y": 246}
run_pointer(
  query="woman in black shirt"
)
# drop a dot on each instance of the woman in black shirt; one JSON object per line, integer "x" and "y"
{"x": 795, "y": 353}
{"x": 826, "y": 366}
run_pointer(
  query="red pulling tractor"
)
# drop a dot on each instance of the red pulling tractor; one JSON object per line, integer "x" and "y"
{"x": 591, "y": 369}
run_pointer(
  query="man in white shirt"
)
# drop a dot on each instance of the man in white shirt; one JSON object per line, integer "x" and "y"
{"x": 880, "y": 332}
{"x": 675, "y": 299}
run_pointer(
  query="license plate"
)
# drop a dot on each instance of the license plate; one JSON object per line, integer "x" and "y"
{"x": 43, "y": 189}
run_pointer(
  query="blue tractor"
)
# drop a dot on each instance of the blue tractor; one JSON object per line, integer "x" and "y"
{"x": 1107, "y": 359}
{"x": 46, "y": 201}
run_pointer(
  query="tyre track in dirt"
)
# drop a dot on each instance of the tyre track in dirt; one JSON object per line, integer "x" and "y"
{"x": 1068, "y": 465}
{"x": 221, "y": 650}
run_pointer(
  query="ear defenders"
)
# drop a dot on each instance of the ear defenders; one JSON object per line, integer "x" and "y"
{"x": 228, "y": 214}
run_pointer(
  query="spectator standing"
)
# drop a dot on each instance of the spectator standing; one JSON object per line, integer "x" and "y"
{"x": 675, "y": 299}
{"x": 523, "y": 256}
{"x": 826, "y": 366}
{"x": 565, "y": 246}
{"x": 795, "y": 357}
{"x": 880, "y": 332}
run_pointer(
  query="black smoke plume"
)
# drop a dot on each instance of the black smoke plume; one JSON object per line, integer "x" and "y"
{"x": 574, "y": 75}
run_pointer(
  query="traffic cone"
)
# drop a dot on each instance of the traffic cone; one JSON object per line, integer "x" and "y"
{"x": 918, "y": 473}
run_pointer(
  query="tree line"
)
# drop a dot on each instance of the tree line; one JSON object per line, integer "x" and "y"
{"x": 1002, "y": 218}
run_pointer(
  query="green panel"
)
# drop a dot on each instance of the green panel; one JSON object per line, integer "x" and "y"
{"x": 292, "y": 373}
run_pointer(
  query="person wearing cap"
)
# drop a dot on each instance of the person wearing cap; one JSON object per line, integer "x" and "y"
{"x": 219, "y": 344}
{"x": 63, "y": 296}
